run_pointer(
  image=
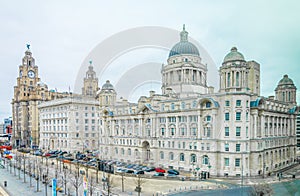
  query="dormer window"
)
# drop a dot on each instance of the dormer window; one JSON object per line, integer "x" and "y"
{"x": 208, "y": 104}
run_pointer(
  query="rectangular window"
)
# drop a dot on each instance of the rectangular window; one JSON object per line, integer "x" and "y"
{"x": 172, "y": 131}
{"x": 182, "y": 131}
{"x": 208, "y": 132}
{"x": 207, "y": 104}
{"x": 162, "y": 131}
{"x": 202, "y": 146}
{"x": 238, "y": 116}
{"x": 246, "y": 131}
{"x": 183, "y": 145}
{"x": 226, "y": 131}
{"x": 194, "y": 131}
{"x": 226, "y": 147}
{"x": 238, "y": 131}
{"x": 238, "y": 103}
{"x": 227, "y": 103}
{"x": 227, "y": 116}
{"x": 237, "y": 162}
{"x": 208, "y": 118}
{"x": 226, "y": 161}
{"x": 207, "y": 146}
{"x": 237, "y": 147}
{"x": 86, "y": 121}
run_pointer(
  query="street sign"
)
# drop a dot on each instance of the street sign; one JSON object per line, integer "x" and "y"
{"x": 209, "y": 166}
{"x": 54, "y": 186}
{"x": 198, "y": 168}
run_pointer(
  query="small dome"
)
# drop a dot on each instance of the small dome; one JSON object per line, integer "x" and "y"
{"x": 286, "y": 80}
{"x": 107, "y": 86}
{"x": 234, "y": 55}
{"x": 184, "y": 46}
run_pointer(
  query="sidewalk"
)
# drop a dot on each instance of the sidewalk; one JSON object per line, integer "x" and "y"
{"x": 17, "y": 187}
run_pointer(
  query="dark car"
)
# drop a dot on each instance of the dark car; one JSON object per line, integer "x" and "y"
{"x": 139, "y": 172}
{"x": 159, "y": 174}
{"x": 129, "y": 171}
{"x": 173, "y": 171}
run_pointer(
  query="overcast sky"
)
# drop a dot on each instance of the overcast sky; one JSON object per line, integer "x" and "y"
{"x": 63, "y": 33}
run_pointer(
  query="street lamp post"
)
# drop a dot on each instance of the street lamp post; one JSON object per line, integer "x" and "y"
{"x": 45, "y": 180}
{"x": 24, "y": 170}
{"x": 65, "y": 177}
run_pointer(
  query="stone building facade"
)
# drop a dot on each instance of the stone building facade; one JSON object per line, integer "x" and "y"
{"x": 233, "y": 132}
{"x": 72, "y": 124}
{"x": 28, "y": 93}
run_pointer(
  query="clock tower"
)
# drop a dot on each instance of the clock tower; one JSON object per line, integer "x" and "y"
{"x": 28, "y": 93}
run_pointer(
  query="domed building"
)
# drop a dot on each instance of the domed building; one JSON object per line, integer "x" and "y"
{"x": 185, "y": 74}
{"x": 234, "y": 131}
{"x": 286, "y": 90}
{"x": 191, "y": 128}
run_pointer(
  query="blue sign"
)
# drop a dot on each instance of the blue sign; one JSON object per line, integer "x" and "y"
{"x": 54, "y": 187}
{"x": 6, "y": 152}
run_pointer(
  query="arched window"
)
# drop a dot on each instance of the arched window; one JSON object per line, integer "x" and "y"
{"x": 205, "y": 160}
{"x": 161, "y": 155}
{"x": 182, "y": 105}
{"x": 129, "y": 151}
{"x": 237, "y": 79}
{"x": 171, "y": 156}
{"x": 162, "y": 107}
{"x": 193, "y": 158}
{"x": 116, "y": 150}
{"x": 172, "y": 106}
{"x": 194, "y": 104}
{"x": 181, "y": 157}
{"x": 228, "y": 80}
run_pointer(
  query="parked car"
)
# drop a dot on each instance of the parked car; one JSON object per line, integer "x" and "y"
{"x": 171, "y": 175}
{"x": 173, "y": 171}
{"x": 160, "y": 170}
{"x": 129, "y": 171}
{"x": 38, "y": 153}
{"x": 139, "y": 172}
{"x": 150, "y": 169}
{"x": 159, "y": 174}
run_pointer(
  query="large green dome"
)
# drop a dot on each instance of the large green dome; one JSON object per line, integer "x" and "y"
{"x": 286, "y": 81}
{"x": 184, "y": 46}
{"x": 107, "y": 86}
{"x": 234, "y": 55}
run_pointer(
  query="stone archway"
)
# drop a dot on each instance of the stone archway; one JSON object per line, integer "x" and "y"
{"x": 145, "y": 152}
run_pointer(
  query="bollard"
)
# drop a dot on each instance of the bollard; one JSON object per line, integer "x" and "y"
{"x": 5, "y": 183}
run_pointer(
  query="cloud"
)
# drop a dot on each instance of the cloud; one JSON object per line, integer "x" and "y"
{"x": 62, "y": 33}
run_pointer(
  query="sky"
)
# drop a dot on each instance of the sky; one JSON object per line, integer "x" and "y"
{"x": 62, "y": 34}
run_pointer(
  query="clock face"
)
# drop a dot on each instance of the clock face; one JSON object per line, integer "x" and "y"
{"x": 31, "y": 74}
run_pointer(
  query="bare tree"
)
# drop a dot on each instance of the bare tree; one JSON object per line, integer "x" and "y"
{"x": 91, "y": 185}
{"x": 109, "y": 183}
{"x": 64, "y": 177}
{"x": 139, "y": 182}
{"x": 75, "y": 178}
